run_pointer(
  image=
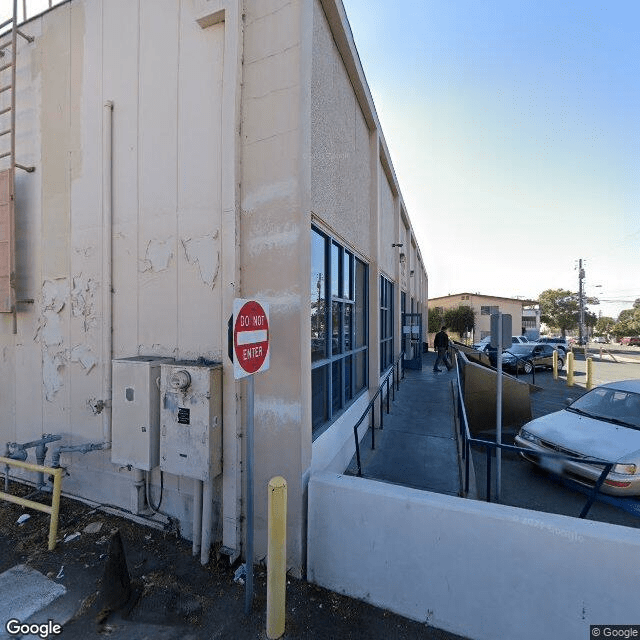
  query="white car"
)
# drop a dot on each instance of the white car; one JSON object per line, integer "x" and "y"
{"x": 603, "y": 424}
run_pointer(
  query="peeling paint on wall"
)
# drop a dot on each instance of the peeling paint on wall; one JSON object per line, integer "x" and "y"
{"x": 51, "y": 378}
{"x": 205, "y": 251}
{"x": 54, "y": 294}
{"x": 158, "y": 255}
{"x": 82, "y": 354}
{"x": 49, "y": 334}
{"x": 82, "y": 300}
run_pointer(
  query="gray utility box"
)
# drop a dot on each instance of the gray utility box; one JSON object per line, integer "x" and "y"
{"x": 191, "y": 419}
{"x": 135, "y": 411}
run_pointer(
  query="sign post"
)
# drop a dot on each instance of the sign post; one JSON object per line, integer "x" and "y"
{"x": 501, "y": 339}
{"x": 251, "y": 356}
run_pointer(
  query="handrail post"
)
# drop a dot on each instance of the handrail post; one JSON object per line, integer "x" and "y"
{"x": 381, "y": 410}
{"x": 393, "y": 384}
{"x": 355, "y": 435}
{"x": 372, "y": 423}
{"x": 466, "y": 467}
{"x": 596, "y": 488}
{"x": 388, "y": 393}
{"x": 488, "y": 450}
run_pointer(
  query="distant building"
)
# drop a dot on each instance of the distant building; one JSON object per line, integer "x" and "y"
{"x": 524, "y": 322}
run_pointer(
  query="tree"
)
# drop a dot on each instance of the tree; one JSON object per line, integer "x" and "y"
{"x": 560, "y": 308}
{"x": 461, "y": 319}
{"x": 604, "y": 326}
{"x": 435, "y": 318}
{"x": 628, "y": 323}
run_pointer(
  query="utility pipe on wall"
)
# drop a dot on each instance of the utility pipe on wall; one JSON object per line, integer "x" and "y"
{"x": 207, "y": 512}
{"x": 107, "y": 267}
{"x": 197, "y": 516}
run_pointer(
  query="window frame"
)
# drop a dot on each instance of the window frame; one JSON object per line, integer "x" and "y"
{"x": 338, "y": 367}
{"x": 386, "y": 323}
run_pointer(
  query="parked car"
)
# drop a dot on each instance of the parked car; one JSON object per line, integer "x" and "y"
{"x": 482, "y": 344}
{"x": 633, "y": 341}
{"x": 485, "y": 344}
{"x": 557, "y": 342}
{"x": 602, "y": 424}
{"x": 599, "y": 340}
{"x": 526, "y": 357}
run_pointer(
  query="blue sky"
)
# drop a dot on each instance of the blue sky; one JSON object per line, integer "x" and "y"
{"x": 514, "y": 131}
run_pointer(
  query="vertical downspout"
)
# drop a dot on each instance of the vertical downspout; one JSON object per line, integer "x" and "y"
{"x": 107, "y": 268}
{"x": 207, "y": 512}
{"x": 197, "y": 517}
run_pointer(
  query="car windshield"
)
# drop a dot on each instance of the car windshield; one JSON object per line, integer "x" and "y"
{"x": 520, "y": 349}
{"x": 613, "y": 405}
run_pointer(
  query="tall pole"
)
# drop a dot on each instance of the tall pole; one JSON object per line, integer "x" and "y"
{"x": 581, "y": 299}
{"x": 499, "y": 410}
{"x": 248, "y": 594}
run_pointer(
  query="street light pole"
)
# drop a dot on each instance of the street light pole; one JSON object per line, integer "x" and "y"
{"x": 581, "y": 300}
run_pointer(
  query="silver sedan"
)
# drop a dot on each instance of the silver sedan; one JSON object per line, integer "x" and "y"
{"x": 604, "y": 424}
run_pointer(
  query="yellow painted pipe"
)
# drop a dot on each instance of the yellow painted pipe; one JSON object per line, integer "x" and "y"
{"x": 276, "y": 557}
{"x": 555, "y": 364}
{"x": 52, "y": 510}
{"x": 570, "y": 369}
{"x": 589, "y": 374}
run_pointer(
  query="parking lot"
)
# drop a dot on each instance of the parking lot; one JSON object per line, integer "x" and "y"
{"x": 523, "y": 484}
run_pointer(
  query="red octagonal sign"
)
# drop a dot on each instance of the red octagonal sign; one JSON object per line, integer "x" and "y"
{"x": 250, "y": 337}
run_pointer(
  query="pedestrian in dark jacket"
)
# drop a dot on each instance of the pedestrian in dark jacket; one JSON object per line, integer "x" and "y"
{"x": 441, "y": 346}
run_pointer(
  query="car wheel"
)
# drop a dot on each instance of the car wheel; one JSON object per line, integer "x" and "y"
{"x": 560, "y": 363}
{"x": 528, "y": 367}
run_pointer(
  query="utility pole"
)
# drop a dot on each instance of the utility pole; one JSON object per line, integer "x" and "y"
{"x": 581, "y": 300}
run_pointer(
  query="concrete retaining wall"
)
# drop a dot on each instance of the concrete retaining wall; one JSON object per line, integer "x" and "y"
{"x": 484, "y": 571}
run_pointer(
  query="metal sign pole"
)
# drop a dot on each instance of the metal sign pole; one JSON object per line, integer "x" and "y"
{"x": 248, "y": 595}
{"x": 499, "y": 411}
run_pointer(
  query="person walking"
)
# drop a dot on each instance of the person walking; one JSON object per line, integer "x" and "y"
{"x": 441, "y": 347}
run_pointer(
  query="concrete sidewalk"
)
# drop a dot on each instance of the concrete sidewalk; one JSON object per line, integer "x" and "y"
{"x": 417, "y": 445}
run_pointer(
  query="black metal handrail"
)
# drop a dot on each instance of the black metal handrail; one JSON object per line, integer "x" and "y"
{"x": 394, "y": 375}
{"x": 489, "y": 446}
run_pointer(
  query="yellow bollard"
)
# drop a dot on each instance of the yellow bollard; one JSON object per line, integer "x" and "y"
{"x": 276, "y": 557}
{"x": 570, "y": 369}
{"x": 589, "y": 374}
{"x": 555, "y": 364}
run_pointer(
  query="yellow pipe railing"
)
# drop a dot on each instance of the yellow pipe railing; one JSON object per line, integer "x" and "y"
{"x": 54, "y": 509}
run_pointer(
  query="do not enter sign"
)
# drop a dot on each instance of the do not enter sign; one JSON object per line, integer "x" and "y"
{"x": 250, "y": 337}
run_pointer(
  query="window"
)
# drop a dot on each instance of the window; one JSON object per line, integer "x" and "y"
{"x": 339, "y": 328}
{"x": 386, "y": 323}
{"x": 487, "y": 311}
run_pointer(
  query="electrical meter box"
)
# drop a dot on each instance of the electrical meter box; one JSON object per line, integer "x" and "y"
{"x": 135, "y": 411}
{"x": 191, "y": 419}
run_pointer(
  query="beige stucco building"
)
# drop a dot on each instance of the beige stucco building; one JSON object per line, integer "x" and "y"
{"x": 188, "y": 153}
{"x": 483, "y": 306}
